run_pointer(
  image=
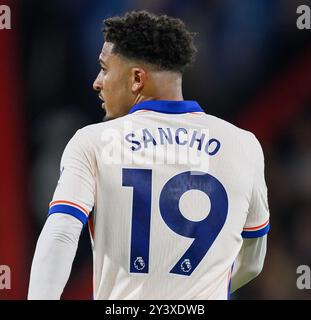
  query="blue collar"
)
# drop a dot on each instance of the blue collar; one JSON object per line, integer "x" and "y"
{"x": 168, "y": 106}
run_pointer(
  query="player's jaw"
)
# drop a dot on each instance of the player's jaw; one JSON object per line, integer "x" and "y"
{"x": 114, "y": 108}
{"x": 109, "y": 106}
{"x": 116, "y": 97}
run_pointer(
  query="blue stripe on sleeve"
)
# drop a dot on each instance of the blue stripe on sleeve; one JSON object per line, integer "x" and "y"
{"x": 67, "y": 209}
{"x": 256, "y": 234}
{"x": 229, "y": 287}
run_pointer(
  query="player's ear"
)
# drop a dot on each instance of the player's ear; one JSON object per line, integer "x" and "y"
{"x": 138, "y": 79}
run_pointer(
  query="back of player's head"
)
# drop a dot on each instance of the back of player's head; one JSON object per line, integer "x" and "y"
{"x": 161, "y": 40}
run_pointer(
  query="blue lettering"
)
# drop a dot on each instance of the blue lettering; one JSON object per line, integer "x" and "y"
{"x": 216, "y": 149}
{"x": 167, "y": 136}
{"x": 194, "y": 138}
{"x": 177, "y": 136}
{"x": 127, "y": 138}
{"x": 147, "y": 137}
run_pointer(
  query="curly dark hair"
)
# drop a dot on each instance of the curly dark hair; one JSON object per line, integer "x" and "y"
{"x": 161, "y": 40}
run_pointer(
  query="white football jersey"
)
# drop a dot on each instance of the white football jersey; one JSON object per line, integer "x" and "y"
{"x": 168, "y": 192}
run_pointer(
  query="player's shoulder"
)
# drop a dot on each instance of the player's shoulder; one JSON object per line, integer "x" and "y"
{"x": 233, "y": 129}
{"x": 95, "y": 130}
{"x": 95, "y": 135}
{"x": 245, "y": 138}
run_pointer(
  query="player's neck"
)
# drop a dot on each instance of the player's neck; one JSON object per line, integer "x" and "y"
{"x": 162, "y": 88}
{"x": 170, "y": 97}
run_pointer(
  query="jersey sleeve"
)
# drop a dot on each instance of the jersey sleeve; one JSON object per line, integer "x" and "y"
{"x": 75, "y": 191}
{"x": 257, "y": 222}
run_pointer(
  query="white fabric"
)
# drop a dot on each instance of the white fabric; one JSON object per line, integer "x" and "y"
{"x": 249, "y": 262}
{"x": 59, "y": 238}
{"x": 88, "y": 179}
{"x": 55, "y": 251}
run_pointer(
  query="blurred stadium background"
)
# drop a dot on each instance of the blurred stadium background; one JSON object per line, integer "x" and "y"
{"x": 253, "y": 69}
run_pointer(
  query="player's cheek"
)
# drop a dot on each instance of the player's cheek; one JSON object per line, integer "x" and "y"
{"x": 105, "y": 88}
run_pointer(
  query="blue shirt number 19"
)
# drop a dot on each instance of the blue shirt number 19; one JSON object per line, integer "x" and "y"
{"x": 203, "y": 232}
